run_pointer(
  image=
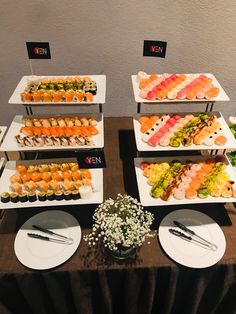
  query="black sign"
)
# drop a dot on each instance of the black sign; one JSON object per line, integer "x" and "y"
{"x": 91, "y": 159}
{"x": 38, "y": 50}
{"x": 153, "y": 48}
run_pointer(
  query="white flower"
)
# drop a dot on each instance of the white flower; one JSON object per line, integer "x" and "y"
{"x": 120, "y": 223}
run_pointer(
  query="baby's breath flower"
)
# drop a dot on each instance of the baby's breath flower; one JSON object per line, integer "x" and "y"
{"x": 121, "y": 222}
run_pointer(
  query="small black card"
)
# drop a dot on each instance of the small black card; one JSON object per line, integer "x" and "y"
{"x": 38, "y": 50}
{"x": 91, "y": 159}
{"x": 153, "y": 48}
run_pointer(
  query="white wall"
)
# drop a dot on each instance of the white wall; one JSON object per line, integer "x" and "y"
{"x": 106, "y": 37}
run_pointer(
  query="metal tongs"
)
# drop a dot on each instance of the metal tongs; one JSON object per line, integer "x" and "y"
{"x": 58, "y": 238}
{"x": 193, "y": 236}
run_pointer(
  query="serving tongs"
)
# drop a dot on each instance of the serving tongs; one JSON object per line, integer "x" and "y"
{"x": 193, "y": 236}
{"x": 58, "y": 238}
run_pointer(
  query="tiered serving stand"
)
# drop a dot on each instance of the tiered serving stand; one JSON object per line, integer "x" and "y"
{"x": 143, "y": 149}
{"x": 10, "y": 144}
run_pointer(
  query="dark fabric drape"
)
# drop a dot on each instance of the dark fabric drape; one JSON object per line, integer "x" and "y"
{"x": 122, "y": 291}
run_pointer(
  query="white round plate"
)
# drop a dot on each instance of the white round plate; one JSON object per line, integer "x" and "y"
{"x": 188, "y": 253}
{"x": 40, "y": 254}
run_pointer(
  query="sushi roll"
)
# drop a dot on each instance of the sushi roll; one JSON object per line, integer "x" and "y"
{"x": 23, "y": 197}
{"x": 68, "y": 195}
{"x": 32, "y": 197}
{"x": 59, "y": 196}
{"x": 16, "y": 187}
{"x": 46, "y": 176}
{"x": 49, "y": 141}
{"x": 15, "y": 178}
{"x": 56, "y": 141}
{"x": 5, "y": 197}
{"x": 67, "y": 185}
{"x": 21, "y": 169}
{"x": 75, "y": 195}
{"x": 56, "y": 176}
{"x": 36, "y": 176}
{"x": 65, "y": 167}
{"x": 72, "y": 141}
{"x": 45, "y": 123}
{"x": 43, "y": 168}
{"x": 53, "y": 167}
{"x": 50, "y": 196}
{"x": 85, "y": 191}
{"x": 42, "y": 196}
{"x": 54, "y": 185}
{"x": 28, "y": 141}
{"x": 14, "y": 197}
{"x": 43, "y": 186}
{"x": 32, "y": 168}
{"x": 30, "y": 186}
{"x": 64, "y": 141}
{"x": 38, "y": 141}
{"x": 25, "y": 177}
{"x": 20, "y": 141}
{"x": 74, "y": 166}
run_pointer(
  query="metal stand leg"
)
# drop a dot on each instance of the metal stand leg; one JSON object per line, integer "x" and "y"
{"x": 6, "y": 156}
{"x": 30, "y": 110}
{"x": 207, "y": 106}
{"x": 211, "y": 106}
{"x": 138, "y": 107}
{"x": 21, "y": 155}
{"x": 100, "y": 108}
{"x": 27, "y": 111}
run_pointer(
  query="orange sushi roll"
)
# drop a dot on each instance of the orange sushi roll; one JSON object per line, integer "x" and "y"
{"x": 35, "y": 176}
{"x": 45, "y": 131}
{"x": 153, "y": 77}
{"x": 15, "y": 178}
{"x": 27, "y": 130}
{"x": 60, "y": 131}
{"x": 68, "y": 131}
{"x": 92, "y": 130}
{"x": 85, "y": 173}
{"x": 80, "y": 96}
{"x": 143, "y": 83}
{"x": 30, "y": 186}
{"x": 69, "y": 96}
{"x": 43, "y": 186}
{"x": 211, "y": 93}
{"x": 37, "y": 96}
{"x": 57, "y": 96}
{"x": 56, "y": 176}
{"x": 16, "y": 187}
{"x": 76, "y": 130}
{"x": 65, "y": 167}
{"x": 37, "y": 131}
{"x": 89, "y": 97}
{"x": 66, "y": 175}
{"x": 21, "y": 169}
{"x": 25, "y": 177}
{"x": 77, "y": 184}
{"x": 67, "y": 185}
{"x": 46, "y": 176}
{"x": 54, "y": 185}
{"x": 26, "y": 96}
{"x": 47, "y": 97}
{"x": 143, "y": 119}
{"x": 76, "y": 175}
{"x": 85, "y": 131}
{"x": 53, "y": 131}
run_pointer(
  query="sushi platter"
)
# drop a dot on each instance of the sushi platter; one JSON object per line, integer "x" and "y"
{"x": 60, "y": 90}
{"x": 37, "y": 183}
{"x": 169, "y": 88}
{"x": 185, "y": 180}
{"x": 183, "y": 131}
{"x": 60, "y": 132}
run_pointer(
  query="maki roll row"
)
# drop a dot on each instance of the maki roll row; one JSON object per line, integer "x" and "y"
{"x": 41, "y": 196}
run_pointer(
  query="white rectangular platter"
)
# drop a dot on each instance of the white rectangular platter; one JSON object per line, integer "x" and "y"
{"x": 2, "y": 132}
{"x": 143, "y": 146}
{"x": 9, "y": 170}
{"x": 221, "y": 97}
{"x": 10, "y": 143}
{"x": 99, "y": 98}
{"x": 144, "y": 188}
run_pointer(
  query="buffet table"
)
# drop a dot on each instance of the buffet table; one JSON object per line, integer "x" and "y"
{"x": 91, "y": 282}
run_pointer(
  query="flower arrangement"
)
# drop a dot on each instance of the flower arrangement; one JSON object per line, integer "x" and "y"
{"x": 120, "y": 224}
